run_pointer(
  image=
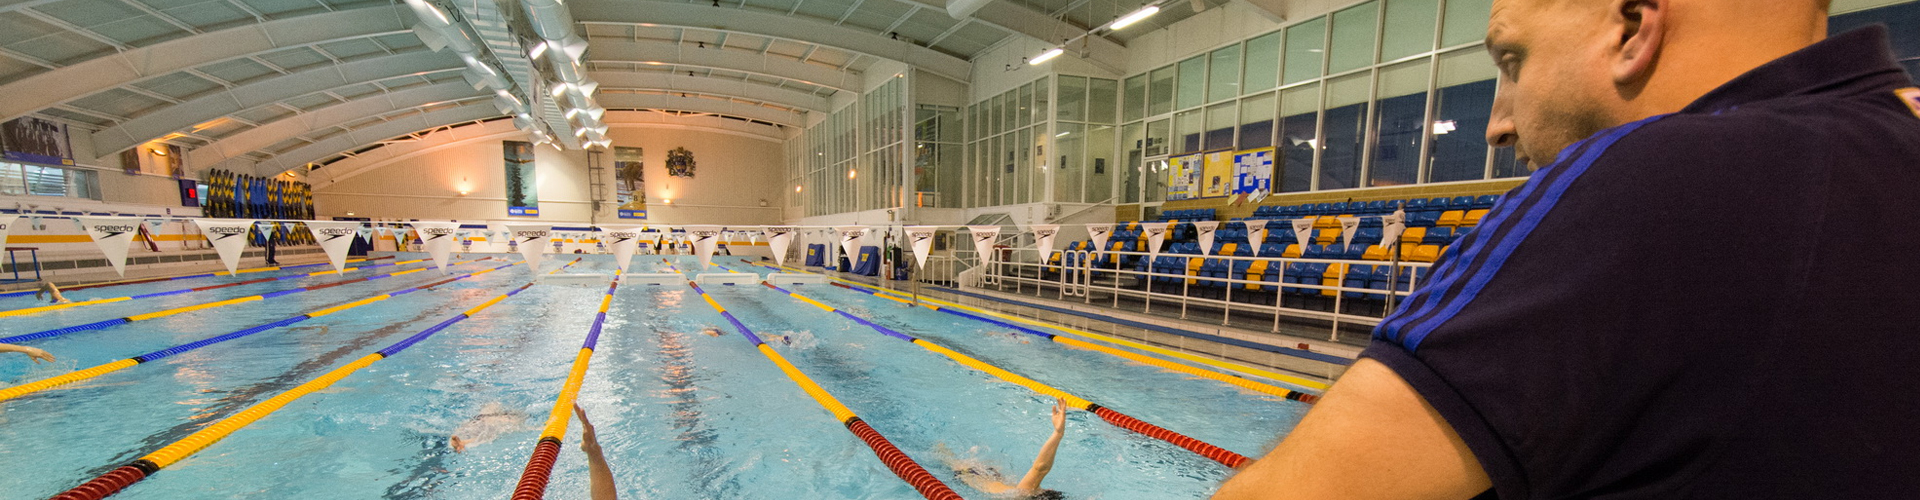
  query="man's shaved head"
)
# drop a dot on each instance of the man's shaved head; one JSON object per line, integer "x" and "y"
{"x": 1571, "y": 68}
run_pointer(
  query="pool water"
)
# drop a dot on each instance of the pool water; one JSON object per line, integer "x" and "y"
{"x": 681, "y": 414}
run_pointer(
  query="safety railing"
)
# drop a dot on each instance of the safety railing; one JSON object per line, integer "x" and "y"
{"x": 1073, "y": 276}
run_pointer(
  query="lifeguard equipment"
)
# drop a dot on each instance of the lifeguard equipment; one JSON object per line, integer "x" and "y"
{"x": 1218, "y": 454}
{"x": 125, "y": 475}
{"x": 196, "y": 307}
{"x": 533, "y": 480}
{"x": 76, "y": 376}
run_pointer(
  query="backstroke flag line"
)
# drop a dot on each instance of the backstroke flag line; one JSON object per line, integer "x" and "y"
{"x": 229, "y": 238}
{"x": 438, "y": 238}
{"x": 778, "y": 239}
{"x": 983, "y": 241}
{"x": 532, "y": 241}
{"x": 113, "y": 234}
{"x": 336, "y": 237}
{"x": 622, "y": 240}
{"x": 850, "y": 239}
{"x": 705, "y": 240}
{"x": 921, "y": 238}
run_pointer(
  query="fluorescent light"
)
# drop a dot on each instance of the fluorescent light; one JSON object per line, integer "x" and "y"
{"x": 539, "y": 48}
{"x": 436, "y": 13}
{"x": 1444, "y": 126}
{"x": 1049, "y": 54}
{"x": 1063, "y": 134}
{"x": 1136, "y": 16}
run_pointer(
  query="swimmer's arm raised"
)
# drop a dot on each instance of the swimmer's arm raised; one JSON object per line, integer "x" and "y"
{"x": 1043, "y": 463}
{"x": 599, "y": 476}
{"x": 1371, "y": 437}
{"x": 34, "y": 353}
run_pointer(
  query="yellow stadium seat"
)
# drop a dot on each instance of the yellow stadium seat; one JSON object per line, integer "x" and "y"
{"x": 1255, "y": 271}
{"x": 1293, "y": 251}
{"x": 1326, "y": 222}
{"x": 1451, "y": 218}
{"x": 1413, "y": 235}
{"x": 1332, "y": 277}
{"x": 1193, "y": 269}
{"x": 1426, "y": 253}
{"x": 1228, "y": 248}
{"x": 1377, "y": 252}
{"x": 1327, "y": 236}
{"x": 1473, "y": 217}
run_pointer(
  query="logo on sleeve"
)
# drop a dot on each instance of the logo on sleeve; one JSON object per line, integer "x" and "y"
{"x": 1911, "y": 96}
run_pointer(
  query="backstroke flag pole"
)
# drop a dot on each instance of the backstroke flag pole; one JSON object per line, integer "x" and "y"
{"x": 438, "y": 238}
{"x": 778, "y": 239}
{"x": 335, "y": 237}
{"x": 622, "y": 240}
{"x": 113, "y": 234}
{"x": 532, "y": 241}
{"x": 229, "y": 238}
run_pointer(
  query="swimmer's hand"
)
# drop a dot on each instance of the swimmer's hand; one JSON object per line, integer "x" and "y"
{"x": 34, "y": 353}
{"x": 1059, "y": 414}
{"x": 589, "y": 441}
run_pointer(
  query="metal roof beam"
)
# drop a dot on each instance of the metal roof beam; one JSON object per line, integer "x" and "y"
{"x": 671, "y": 54}
{"x": 769, "y": 24}
{"x": 360, "y": 137}
{"x": 675, "y": 82}
{"x": 267, "y": 134}
{"x": 699, "y": 105}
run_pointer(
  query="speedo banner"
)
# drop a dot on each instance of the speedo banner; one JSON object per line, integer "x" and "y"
{"x": 921, "y": 239}
{"x": 531, "y": 240}
{"x": 1257, "y": 235}
{"x": 983, "y": 237}
{"x": 1203, "y": 230}
{"x": 778, "y": 239}
{"x": 622, "y": 240}
{"x": 438, "y": 238}
{"x": 1303, "y": 232}
{"x": 1156, "y": 234}
{"x": 1099, "y": 233}
{"x": 705, "y": 240}
{"x": 113, "y": 234}
{"x": 229, "y": 238}
{"x": 1043, "y": 239}
{"x": 336, "y": 238}
{"x": 1348, "y": 226}
{"x": 850, "y": 240}
{"x": 6, "y": 222}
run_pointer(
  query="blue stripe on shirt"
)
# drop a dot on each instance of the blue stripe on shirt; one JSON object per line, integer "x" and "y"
{"x": 1466, "y": 250}
{"x": 1486, "y": 270}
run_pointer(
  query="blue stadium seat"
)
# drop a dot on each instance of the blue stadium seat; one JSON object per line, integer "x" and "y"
{"x": 1485, "y": 202}
{"x": 1437, "y": 236}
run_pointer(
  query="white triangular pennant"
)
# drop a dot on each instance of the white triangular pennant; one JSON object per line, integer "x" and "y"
{"x": 229, "y": 239}
{"x": 1303, "y": 232}
{"x": 1348, "y": 226}
{"x": 622, "y": 240}
{"x": 1099, "y": 233}
{"x": 851, "y": 238}
{"x": 113, "y": 234}
{"x": 1257, "y": 235}
{"x": 778, "y": 239}
{"x": 438, "y": 238}
{"x": 336, "y": 237}
{"x": 1391, "y": 228}
{"x": 983, "y": 237}
{"x": 532, "y": 241}
{"x": 921, "y": 240}
{"x": 1156, "y": 234}
{"x": 705, "y": 240}
{"x": 1043, "y": 235}
{"x": 1204, "y": 229}
{"x": 6, "y": 224}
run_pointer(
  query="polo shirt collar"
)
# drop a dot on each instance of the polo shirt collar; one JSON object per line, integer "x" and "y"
{"x": 1852, "y": 62}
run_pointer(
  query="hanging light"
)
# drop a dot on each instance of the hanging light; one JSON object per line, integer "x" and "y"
{"x": 1136, "y": 16}
{"x": 1048, "y": 55}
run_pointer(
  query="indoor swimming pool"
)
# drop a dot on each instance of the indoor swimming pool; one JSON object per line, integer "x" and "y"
{"x": 685, "y": 405}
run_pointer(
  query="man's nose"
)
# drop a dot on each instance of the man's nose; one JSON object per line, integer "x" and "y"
{"x": 1501, "y": 132}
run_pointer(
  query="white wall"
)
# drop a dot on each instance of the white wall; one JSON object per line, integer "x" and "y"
{"x": 733, "y": 173}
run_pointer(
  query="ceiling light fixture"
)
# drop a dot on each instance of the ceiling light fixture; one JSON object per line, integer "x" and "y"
{"x": 1136, "y": 16}
{"x": 1046, "y": 56}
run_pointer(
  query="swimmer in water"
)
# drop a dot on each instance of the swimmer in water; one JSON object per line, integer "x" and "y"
{"x": 987, "y": 478}
{"x": 48, "y": 288}
{"x": 713, "y": 332}
{"x": 32, "y": 353}
{"x": 599, "y": 475}
{"x": 786, "y": 340}
{"x": 493, "y": 421}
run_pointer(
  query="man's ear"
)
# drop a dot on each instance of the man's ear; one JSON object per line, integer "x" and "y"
{"x": 1642, "y": 31}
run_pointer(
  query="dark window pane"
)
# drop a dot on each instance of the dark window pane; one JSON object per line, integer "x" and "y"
{"x": 1296, "y": 152}
{"x": 1256, "y": 135}
{"x": 1505, "y": 164}
{"x": 1340, "y": 158}
{"x": 1460, "y": 132}
{"x": 1396, "y": 158}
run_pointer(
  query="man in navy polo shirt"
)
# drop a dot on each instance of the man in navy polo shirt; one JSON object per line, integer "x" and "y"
{"x": 1703, "y": 291}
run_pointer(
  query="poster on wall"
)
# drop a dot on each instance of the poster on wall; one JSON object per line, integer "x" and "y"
{"x": 1216, "y": 178}
{"x": 36, "y": 140}
{"x": 631, "y": 188}
{"x": 522, "y": 191}
{"x": 1253, "y": 173}
{"x": 168, "y": 159}
{"x": 1183, "y": 178}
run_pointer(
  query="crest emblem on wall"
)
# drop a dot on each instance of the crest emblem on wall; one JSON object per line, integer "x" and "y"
{"x": 680, "y": 163}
